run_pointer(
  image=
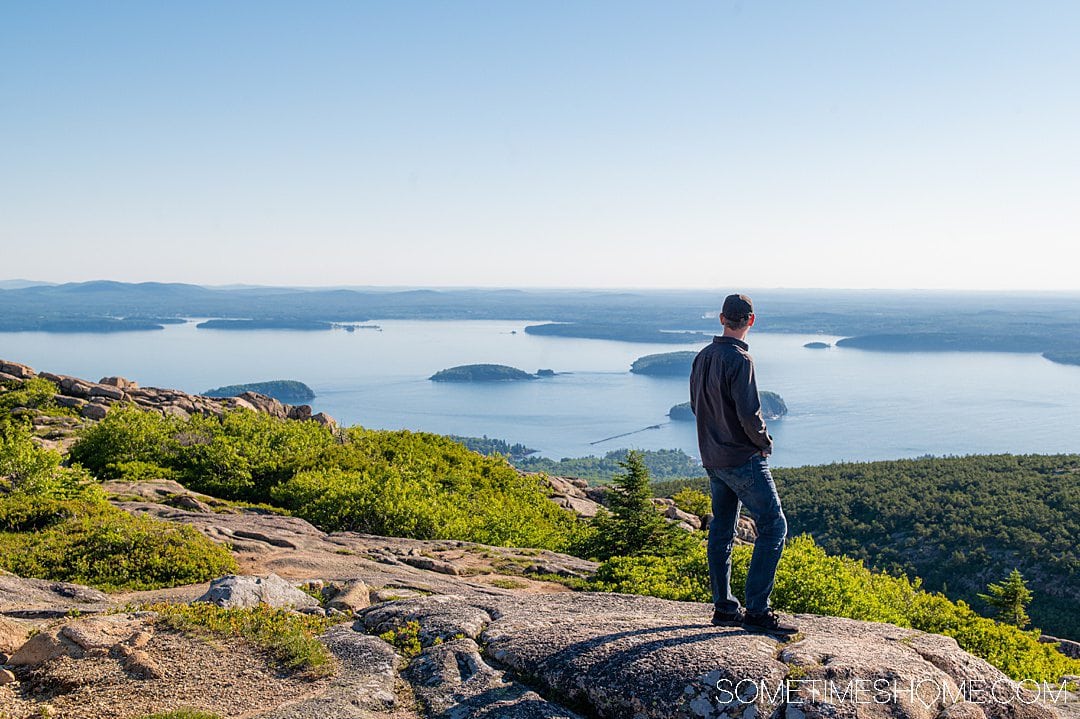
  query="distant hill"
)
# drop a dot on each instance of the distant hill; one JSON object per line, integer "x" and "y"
{"x": 772, "y": 407}
{"x": 481, "y": 373}
{"x": 667, "y": 364}
{"x": 288, "y": 391}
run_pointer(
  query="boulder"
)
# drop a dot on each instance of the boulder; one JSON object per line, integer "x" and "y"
{"x": 1067, "y": 647}
{"x": 300, "y": 412}
{"x": 94, "y": 410}
{"x": 41, "y": 648}
{"x": 13, "y": 634}
{"x": 120, "y": 383}
{"x": 70, "y": 402}
{"x": 681, "y": 517}
{"x": 325, "y": 420}
{"x": 172, "y": 410}
{"x": 235, "y": 590}
{"x": 432, "y": 565}
{"x": 15, "y": 369}
{"x": 6, "y": 677}
{"x": 75, "y": 387}
{"x": 353, "y": 597}
{"x": 42, "y": 597}
{"x": 107, "y": 392}
{"x": 453, "y": 680}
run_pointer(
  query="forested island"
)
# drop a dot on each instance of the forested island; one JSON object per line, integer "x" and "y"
{"x": 666, "y": 364}
{"x": 817, "y": 345}
{"x": 481, "y": 373}
{"x": 288, "y": 391}
{"x": 772, "y": 407}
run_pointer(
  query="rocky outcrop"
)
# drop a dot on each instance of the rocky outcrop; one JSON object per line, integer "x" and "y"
{"x": 93, "y": 399}
{"x": 294, "y": 549}
{"x": 235, "y": 591}
{"x": 610, "y": 655}
{"x": 1067, "y": 647}
{"x": 40, "y": 598}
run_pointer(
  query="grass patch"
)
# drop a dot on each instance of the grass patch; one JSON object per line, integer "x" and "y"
{"x": 288, "y": 638}
{"x": 507, "y": 583}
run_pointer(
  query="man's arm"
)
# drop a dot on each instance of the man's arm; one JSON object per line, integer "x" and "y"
{"x": 744, "y": 392}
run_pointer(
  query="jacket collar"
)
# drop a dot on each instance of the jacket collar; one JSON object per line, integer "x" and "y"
{"x": 730, "y": 341}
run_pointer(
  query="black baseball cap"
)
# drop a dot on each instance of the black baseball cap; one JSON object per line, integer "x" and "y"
{"x": 736, "y": 307}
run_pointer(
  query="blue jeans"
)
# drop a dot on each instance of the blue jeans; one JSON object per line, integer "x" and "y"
{"x": 750, "y": 484}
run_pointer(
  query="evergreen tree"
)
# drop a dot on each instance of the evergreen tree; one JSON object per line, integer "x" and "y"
{"x": 1010, "y": 598}
{"x": 633, "y": 525}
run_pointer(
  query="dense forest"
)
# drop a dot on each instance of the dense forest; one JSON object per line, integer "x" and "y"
{"x": 661, "y": 463}
{"x": 958, "y": 523}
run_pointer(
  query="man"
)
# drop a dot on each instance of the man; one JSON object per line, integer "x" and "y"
{"x": 735, "y": 446}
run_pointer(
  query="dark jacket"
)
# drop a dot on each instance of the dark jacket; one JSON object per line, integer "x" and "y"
{"x": 724, "y": 398}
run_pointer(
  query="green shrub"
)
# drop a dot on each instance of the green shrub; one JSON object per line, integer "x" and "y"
{"x": 693, "y": 501}
{"x": 390, "y": 483}
{"x": 27, "y": 469}
{"x": 289, "y": 638}
{"x": 182, "y": 714}
{"x": 37, "y": 393}
{"x": 680, "y": 577}
{"x": 90, "y": 542}
{"x": 406, "y": 639}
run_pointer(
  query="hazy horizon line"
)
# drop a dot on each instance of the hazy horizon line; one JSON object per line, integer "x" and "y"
{"x": 537, "y": 288}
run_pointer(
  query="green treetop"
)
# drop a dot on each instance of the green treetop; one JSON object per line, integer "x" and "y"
{"x": 1010, "y": 598}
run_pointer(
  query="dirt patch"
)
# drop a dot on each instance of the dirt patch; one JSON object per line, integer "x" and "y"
{"x": 226, "y": 676}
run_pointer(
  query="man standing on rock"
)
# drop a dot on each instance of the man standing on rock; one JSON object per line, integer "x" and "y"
{"x": 735, "y": 446}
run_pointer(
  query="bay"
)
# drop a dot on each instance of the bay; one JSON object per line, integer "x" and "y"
{"x": 845, "y": 404}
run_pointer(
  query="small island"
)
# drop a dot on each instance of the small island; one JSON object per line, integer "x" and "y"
{"x": 267, "y": 324}
{"x": 773, "y": 407}
{"x": 667, "y": 364}
{"x": 283, "y": 390}
{"x": 481, "y": 373}
{"x": 817, "y": 345}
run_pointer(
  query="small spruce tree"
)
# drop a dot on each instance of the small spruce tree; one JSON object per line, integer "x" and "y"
{"x": 1010, "y": 599}
{"x": 632, "y": 525}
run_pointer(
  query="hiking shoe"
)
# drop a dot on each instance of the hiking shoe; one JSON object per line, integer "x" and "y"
{"x": 768, "y": 622}
{"x": 728, "y": 619}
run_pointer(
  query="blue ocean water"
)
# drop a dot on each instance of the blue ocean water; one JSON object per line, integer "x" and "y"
{"x": 845, "y": 404}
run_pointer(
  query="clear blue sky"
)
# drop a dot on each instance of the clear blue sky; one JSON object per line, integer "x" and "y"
{"x": 603, "y": 144}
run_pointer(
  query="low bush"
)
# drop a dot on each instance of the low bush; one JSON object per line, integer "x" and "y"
{"x": 287, "y": 637}
{"x": 55, "y": 524}
{"x": 408, "y": 484}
